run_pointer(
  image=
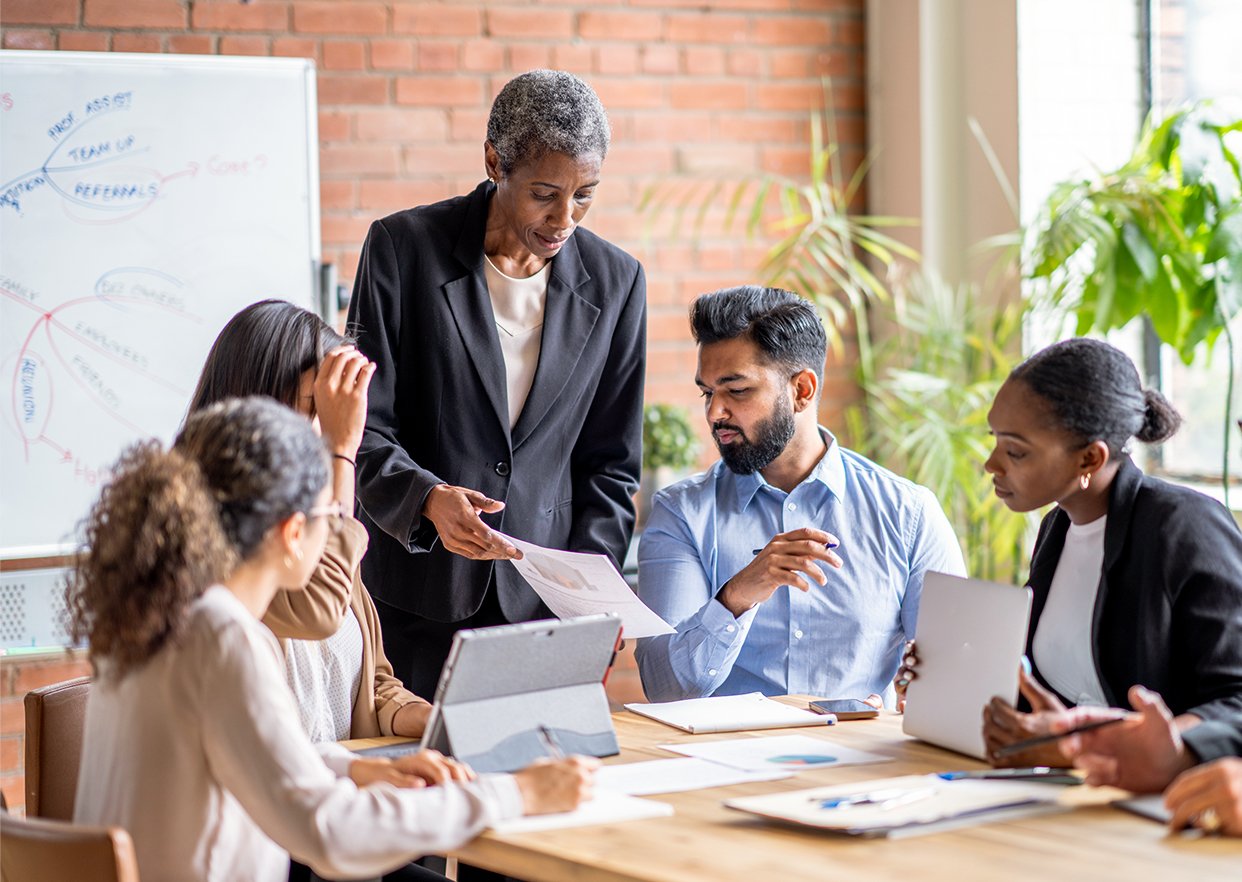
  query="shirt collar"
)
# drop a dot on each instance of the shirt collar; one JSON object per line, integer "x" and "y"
{"x": 829, "y": 471}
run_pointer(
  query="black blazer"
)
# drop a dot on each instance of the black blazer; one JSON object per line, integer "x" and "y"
{"x": 1168, "y": 614}
{"x": 438, "y": 410}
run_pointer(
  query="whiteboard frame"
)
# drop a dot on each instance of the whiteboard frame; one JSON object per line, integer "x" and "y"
{"x": 307, "y": 67}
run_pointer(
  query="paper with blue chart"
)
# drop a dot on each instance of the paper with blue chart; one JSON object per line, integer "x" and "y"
{"x": 792, "y": 753}
{"x": 576, "y": 584}
{"x": 143, "y": 201}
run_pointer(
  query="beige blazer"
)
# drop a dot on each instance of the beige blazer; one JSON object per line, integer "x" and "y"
{"x": 316, "y": 612}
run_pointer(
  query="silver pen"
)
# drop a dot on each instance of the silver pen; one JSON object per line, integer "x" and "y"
{"x": 550, "y": 747}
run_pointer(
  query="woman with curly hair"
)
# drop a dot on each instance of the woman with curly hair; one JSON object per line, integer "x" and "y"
{"x": 192, "y": 740}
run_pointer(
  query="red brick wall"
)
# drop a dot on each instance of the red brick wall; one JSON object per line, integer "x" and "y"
{"x": 404, "y": 89}
{"x": 697, "y": 86}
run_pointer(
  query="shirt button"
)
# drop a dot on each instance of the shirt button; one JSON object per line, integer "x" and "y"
{"x": 792, "y": 507}
{"x": 502, "y": 469}
{"x": 798, "y": 635}
{"x": 730, "y": 628}
{"x": 711, "y": 672}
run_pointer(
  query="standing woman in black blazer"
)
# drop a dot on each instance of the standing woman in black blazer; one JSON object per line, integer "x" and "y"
{"x": 510, "y": 353}
{"x": 1136, "y": 581}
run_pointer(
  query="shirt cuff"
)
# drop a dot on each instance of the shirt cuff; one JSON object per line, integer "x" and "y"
{"x": 720, "y": 623}
{"x": 502, "y": 794}
{"x": 336, "y": 758}
{"x": 1212, "y": 740}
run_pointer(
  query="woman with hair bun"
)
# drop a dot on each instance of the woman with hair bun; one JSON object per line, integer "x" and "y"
{"x": 192, "y": 741}
{"x": 1136, "y": 581}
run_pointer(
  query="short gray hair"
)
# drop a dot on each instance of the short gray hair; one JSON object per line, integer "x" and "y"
{"x": 546, "y": 111}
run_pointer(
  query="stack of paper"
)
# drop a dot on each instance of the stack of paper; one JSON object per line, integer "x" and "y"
{"x": 905, "y": 806}
{"x": 729, "y": 713}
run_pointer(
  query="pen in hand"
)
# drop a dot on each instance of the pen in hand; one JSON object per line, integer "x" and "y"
{"x": 828, "y": 545}
{"x": 1040, "y": 740}
{"x": 548, "y": 740}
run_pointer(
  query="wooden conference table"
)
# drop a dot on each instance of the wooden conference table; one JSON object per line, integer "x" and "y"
{"x": 705, "y": 842}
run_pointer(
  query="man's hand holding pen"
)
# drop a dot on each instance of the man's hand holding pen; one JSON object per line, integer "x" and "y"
{"x": 792, "y": 558}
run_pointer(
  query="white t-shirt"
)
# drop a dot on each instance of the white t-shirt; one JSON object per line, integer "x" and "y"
{"x": 325, "y": 676}
{"x": 517, "y": 305}
{"x": 1062, "y": 645}
{"x": 198, "y": 753}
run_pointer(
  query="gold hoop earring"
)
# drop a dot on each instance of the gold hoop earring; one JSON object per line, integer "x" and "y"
{"x": 1085, "y": 480}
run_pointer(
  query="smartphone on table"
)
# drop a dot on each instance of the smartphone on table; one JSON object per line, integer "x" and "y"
{"x": 845, "y": 708}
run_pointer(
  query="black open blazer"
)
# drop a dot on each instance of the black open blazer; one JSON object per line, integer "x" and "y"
{"x": 438, "y": 410}
{"x": 1168, "y": 614}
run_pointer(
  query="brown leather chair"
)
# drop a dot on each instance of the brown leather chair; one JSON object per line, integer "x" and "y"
{"x": 55, "y": 719}
{"x": 34, "y": 850}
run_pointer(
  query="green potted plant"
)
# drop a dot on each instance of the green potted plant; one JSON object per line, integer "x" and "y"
{"x": 1159, "y": 237}
{"x": 670, "y": 450}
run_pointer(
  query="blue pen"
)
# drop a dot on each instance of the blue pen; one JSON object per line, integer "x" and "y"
{"x": 830, "y": 546}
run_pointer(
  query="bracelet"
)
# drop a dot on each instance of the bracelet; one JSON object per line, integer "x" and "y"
{"x": 346, "y": 458}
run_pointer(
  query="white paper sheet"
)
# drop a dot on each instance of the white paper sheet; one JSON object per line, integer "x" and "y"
{"x": 793, "y": 753}
{"x": 729, "y": 713}
{"x": 605, "y": 808}
{"x": 677, "y": 776}
{"x": 576, "y": 584}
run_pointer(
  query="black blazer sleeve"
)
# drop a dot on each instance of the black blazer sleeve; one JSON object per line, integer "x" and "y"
{"x": 1213, "y": 740}
{"x": 376, "y": 306}
{"x": 607, "y": 459}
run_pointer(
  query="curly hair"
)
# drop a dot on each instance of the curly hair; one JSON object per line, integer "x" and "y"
{"x": 170, "y": 523}
{"x": 153, "y": 543}
{"x": 546, "y": 111}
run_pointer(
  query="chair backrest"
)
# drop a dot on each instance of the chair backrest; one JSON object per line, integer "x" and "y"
{"x": 33, "y": 850}
{"x": 55, "y": 719}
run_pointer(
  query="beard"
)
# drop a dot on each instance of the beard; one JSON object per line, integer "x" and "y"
{"x": 772, "y": 436}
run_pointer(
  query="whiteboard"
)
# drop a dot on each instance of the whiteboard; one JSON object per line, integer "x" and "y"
{"x": 144, "y": 199}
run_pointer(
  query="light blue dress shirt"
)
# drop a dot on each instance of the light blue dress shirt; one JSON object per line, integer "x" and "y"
{"x": 839, "y": 641}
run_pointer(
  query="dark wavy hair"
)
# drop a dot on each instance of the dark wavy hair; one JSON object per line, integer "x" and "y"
{"x": 785, "y": 327}
{"x": 170, "y": 523}
{"x": 264, "y": 350}
{"x": 1094, "y": 393}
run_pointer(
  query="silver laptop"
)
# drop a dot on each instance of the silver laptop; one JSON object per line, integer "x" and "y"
{"x": 970, "y": 638}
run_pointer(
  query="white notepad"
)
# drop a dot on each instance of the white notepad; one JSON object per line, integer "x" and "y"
{"x": 729, "y": 713}
{"x": 677, "y": 776}
{"x": 605, "y": 808}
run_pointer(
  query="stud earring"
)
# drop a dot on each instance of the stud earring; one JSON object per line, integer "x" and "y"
{"x": 288, "y": 562}
{"x": 1085, "y": 480}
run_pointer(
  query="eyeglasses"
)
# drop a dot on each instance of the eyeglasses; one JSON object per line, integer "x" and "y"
{"x": 334, "y": 511}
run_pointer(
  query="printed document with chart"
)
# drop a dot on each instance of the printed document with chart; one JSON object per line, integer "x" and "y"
{"x": 575, "y": 584}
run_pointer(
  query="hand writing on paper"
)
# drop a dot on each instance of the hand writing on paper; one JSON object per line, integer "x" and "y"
{"x": 791, "y": 558}
{"x": 1004, "y": 725}
{"x": 557, "y": 785}
{"x": 455, "y": 512}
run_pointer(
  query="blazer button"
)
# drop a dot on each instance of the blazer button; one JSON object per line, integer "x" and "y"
{"x": 502, "y": 469}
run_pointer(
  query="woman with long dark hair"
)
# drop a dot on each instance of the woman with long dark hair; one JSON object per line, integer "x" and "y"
{"x": 192, "y": 740}
{"x": 342, "y": 682}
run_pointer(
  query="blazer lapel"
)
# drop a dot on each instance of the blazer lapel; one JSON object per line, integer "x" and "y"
{"x": 568, "y": 320}
{"x": 471, "y": 306}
